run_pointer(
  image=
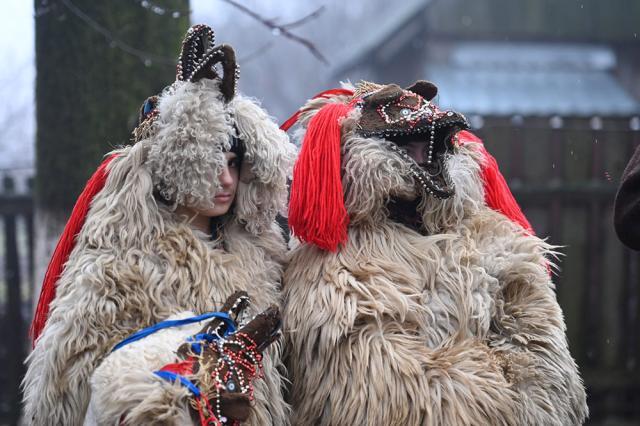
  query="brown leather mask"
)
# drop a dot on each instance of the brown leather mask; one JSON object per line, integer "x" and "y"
{"x": 392, "y": 111}
{"x": 404, "y": 115}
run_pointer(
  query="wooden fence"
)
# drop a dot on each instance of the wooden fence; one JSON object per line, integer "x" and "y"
{"x": 565, "y": 172}
{"x": 16, "y": 284}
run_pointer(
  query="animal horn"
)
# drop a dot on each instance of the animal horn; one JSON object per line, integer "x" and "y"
{"x": 230, "y": 72}
{"x": 225, "y": 55}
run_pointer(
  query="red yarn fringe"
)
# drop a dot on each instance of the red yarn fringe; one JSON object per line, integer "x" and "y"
{"x": 497, "y": 194}
{"x": 317, "y": 213}
{"x": 64, "y": 247}
{"x": 183, "y": 368}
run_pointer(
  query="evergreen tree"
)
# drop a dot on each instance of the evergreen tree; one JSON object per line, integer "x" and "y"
{"x": 89, "y": 87}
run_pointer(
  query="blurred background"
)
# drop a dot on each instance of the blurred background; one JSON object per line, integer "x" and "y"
{"x": 552, "y": 86}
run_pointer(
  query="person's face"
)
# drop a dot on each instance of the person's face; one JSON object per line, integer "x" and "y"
{"x": 418, "y": 151}
{"x": 228, "y": 179}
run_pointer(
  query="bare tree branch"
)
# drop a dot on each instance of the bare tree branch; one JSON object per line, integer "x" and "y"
{"x": 282, "y": 29}
{"x": 313, "y": 15}
{"x": 141, "y": 54}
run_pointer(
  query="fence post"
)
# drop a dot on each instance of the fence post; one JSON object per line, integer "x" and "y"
{"x": 30, "y": 219}
{"x": 13, "y": 321}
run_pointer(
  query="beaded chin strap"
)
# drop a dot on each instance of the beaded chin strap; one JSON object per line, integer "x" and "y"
{"x": 423, "y": 178}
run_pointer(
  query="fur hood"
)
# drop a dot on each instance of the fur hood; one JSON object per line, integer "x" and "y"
{"x": 193, "y": 130}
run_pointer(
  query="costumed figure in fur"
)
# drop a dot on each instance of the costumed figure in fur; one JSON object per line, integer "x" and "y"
{"x": 418, "y": 294}
{"x": 175, "y": 223}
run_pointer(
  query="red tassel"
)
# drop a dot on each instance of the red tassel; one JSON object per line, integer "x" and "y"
{"x": 317, "y": 213}
{"x": 497, "y": 194}
{"x": 326, "y": 94}
{"x": 64, "y": 247}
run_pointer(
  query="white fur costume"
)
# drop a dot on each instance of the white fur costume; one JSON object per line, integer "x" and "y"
{"x": 136, "y": 262}
{"x": 129, "y": 366}
{"x": 456, "y": 327}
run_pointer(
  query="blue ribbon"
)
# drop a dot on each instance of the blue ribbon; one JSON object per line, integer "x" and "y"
{"x": 141, "y": 334}
{"x": 172, "y": 377}
{"x": 199, "y": 338}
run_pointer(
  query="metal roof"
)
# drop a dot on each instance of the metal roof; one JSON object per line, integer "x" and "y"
{"x": 499, "y": 78}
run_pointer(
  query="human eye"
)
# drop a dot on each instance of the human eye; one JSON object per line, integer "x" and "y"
{"x": 233, "y": 163}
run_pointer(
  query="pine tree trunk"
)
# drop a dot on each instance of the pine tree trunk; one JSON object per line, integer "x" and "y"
{"x": 89, "y": 87}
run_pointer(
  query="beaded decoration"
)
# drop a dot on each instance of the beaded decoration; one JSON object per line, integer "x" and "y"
{"x": 147, "y": 116}
{"x": 197, "y": 43}
{"x": 238, "y": 363}
{"x": 219, "y": 360}
{"x": 403, "y": 113}
{"x": 199, "y": 56}
{"x": 197, "y": 60}
{"x": 423, "y": 178}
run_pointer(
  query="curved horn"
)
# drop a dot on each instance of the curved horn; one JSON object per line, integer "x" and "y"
{"x": 230, "y": 72}
{"x": 198, "y": 58}
{"x": 197, "y": 42}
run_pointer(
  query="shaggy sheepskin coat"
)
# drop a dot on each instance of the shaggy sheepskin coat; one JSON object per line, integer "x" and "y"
{"x": 136, "y": 262}
{"x": 457, "y": 325}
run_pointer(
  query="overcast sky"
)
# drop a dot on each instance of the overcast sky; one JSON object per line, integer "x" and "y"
{"x": 16, "y": 88}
